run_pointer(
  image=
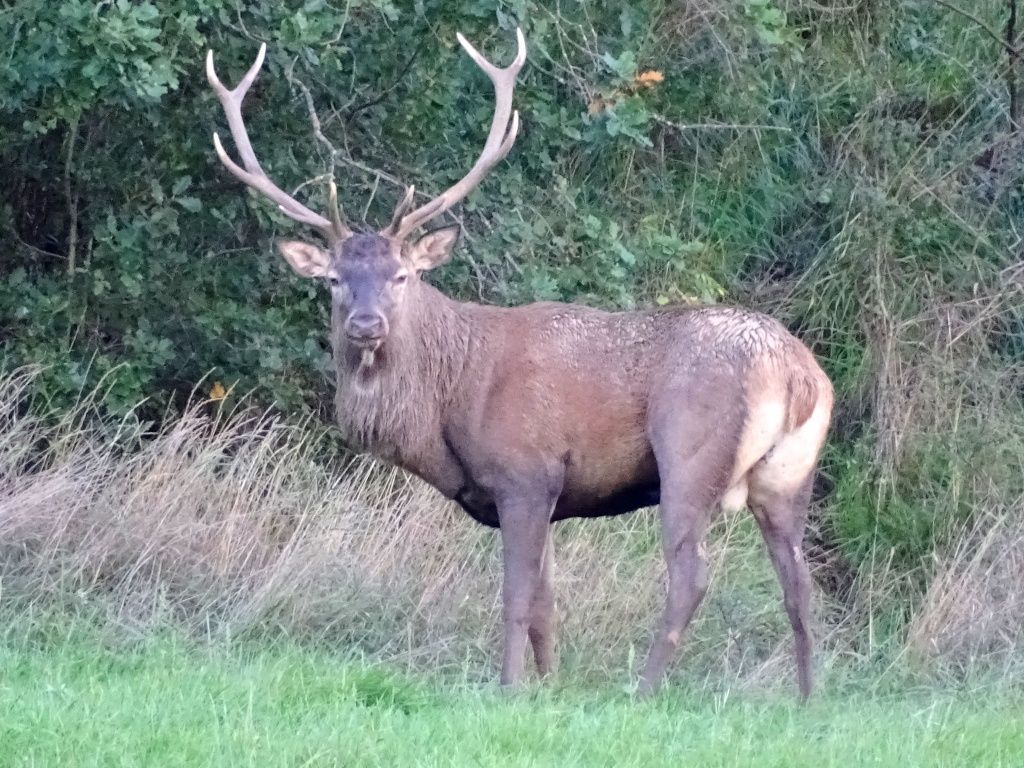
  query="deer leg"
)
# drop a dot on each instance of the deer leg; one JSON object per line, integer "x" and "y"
{"x": 524, "y": 523}
{"x": 683, "y": 527}
{"x": 695, "y": 454}
{"x": 781, "y": 519}
{"x": 543, "y": 620}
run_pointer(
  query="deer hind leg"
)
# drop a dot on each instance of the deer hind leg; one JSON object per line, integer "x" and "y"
{"x": 693, "y": 479}
{"x": 781, "y": 518}
{"x": 780, "y": 493}
{"x": 543, "y": 620}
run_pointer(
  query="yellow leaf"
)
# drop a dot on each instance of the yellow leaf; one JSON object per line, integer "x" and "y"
{"x": 217, "y": 391}
{"x": 649, "y": 78}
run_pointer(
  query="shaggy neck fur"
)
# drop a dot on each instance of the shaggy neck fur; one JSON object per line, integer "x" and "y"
{"x": 394, "y": 405}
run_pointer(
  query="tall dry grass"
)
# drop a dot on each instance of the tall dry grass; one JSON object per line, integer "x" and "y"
{"x": 229, "y": 524}
{"x": 973, "y": 612}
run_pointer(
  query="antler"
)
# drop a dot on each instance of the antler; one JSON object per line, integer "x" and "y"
{"x": 253, "y": 174}
{"x": 499, "y": 142}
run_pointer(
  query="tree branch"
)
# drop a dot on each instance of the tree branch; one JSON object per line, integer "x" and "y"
{"x": 353, "y": 111}
{"x": 71, "y": 196}
{"x": 1007, "y": 45}
{"x": 658, "y": 118}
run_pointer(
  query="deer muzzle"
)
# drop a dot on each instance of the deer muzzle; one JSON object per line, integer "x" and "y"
{"x": 366, "y": 330}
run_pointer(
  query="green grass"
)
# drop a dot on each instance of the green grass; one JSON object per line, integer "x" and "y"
{"x": 80, "y": 702}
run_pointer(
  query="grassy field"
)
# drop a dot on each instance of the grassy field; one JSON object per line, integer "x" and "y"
{"x": 81, "y": 702}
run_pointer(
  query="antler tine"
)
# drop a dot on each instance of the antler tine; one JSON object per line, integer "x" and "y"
{"x": 491, "y": 70}
{"x": 337, "y": 222}
{"x": 400, "y": 210}
{"x": 252, "y": 174}
{"x": 499, "y": 140}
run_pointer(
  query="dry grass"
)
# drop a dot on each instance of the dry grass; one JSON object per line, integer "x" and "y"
{"x": 971, "y": 614}
{"x": 227, "y": 524}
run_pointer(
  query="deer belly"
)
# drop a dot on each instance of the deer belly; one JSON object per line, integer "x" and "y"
{"x": 613, "y": 484}
{"x": 620, "y": 502}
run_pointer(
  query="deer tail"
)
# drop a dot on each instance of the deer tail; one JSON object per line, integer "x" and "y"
{"x": 803, "y": 393}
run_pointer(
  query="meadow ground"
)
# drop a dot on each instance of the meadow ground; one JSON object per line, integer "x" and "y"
{"x": 164, "y": 703}
{"x": 213, "y": 593}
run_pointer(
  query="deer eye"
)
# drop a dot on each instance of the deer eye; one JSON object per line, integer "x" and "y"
{"x": 334, "y": 281}
{"x": 401, "y": 278}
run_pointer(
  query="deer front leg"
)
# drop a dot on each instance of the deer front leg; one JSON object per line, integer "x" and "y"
{"x": 524, "y": 520}
{"x": 543, "y": 620}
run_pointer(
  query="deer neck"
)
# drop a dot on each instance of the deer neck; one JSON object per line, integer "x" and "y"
{"x": 392, "y": 404}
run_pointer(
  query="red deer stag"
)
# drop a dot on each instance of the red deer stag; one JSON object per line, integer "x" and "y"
{"x": 534, "y": 414}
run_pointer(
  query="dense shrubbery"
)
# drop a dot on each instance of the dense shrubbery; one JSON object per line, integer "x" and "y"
{"x": 851, "y": 169}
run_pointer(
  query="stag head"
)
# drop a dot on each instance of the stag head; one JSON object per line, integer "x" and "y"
{"x": 371, "y": 274}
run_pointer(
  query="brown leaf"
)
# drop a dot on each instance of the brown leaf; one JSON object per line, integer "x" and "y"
{"x": 649, "y": 78}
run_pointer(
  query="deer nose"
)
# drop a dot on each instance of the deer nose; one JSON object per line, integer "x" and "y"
{"x": 365, "y": 326}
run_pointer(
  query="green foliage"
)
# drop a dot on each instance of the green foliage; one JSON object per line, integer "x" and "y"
{"x": 876, "y": 523}
{"x": 847, "y": 168}
{"x": 125, "y": 246}
{"x": 770, "y": 26}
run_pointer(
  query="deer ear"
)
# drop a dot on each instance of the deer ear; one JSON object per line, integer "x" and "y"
{"x": 434, "y": 248}
{"x": 306, "y": 259}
